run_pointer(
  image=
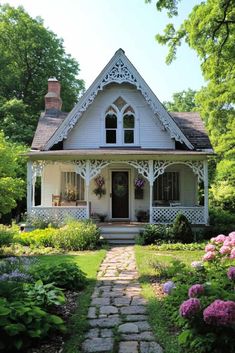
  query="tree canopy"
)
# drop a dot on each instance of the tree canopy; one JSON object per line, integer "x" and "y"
{"x": 210, "y": 31}
{"x": 12, "y": 186}
{"x": 183, "y": 101}
{"x": 29, "y": 55}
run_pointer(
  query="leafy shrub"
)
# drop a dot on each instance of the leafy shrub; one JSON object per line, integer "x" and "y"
{"x": 16, "y": 269}
{"x": 182, "y": 230}
{"x": 6, "y": 235}
{"x": 42, "y": 222}
{"x": 78, "y": 235}
{"x": 66, "y": 275}
{"x": 221, "y": 221}
{"x": 38, "y": 237}
{"x": 153, "y": 233}
{"x": 22, "y": 322}
{"x": 44, "y": 294}
{"x": 178, "y": 246}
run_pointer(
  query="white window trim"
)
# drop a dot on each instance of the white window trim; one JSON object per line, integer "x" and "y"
{"x": 120, "y": 129}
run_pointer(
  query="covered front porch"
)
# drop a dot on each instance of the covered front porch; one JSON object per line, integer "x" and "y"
{"x": 171, "y": 186}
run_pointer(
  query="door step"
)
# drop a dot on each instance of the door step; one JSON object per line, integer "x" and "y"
{"x": 120, "y": 234}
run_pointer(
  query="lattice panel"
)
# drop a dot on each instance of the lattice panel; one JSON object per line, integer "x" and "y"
{"x": 195, "y": 215}
{"x": 59, "y": 213}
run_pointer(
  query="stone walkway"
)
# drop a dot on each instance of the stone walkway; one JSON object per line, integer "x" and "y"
{"x": 117, "y": 315}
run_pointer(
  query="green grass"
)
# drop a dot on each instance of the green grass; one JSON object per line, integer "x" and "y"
{"x": 165, "y": 334}
{"x": 89, "y": 262}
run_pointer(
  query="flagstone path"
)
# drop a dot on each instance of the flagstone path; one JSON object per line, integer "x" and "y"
{"x": 117, "y": 314}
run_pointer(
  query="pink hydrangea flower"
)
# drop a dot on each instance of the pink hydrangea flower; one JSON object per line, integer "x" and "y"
{"x": 210, "y": 255}
{"x": 231, "y": 273}
{"x": 228, "y": 242}
{"x": 168, "y": 286}
{"x": 232, "y": 254}
{"x": 189, "y": 308}
{"x": 209, "y": 247}
{"x": 220, "y": 313}
{"x": 232, "y": 235}
{"x": 195, "y": 290}
{"x": 220, "y": 238}
{"x": 225, "y": 250}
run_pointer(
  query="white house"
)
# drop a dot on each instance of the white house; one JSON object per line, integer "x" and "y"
{"x": 120, "y": 136}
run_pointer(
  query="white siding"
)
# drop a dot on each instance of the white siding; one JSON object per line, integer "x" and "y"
{"x": 89, "y": 130}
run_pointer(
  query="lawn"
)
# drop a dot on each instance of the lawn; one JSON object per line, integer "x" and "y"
{"x": 165, "y": 334}
{"x": 89, "y": 262}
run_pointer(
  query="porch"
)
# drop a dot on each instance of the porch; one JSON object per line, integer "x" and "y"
{"x": 169, "y": 187}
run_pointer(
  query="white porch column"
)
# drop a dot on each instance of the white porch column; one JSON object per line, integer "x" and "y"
{"x": 87, "y": 181}
{"x": 29, "y": 186}
{"x": 205, "y": 179}
{"x": 151, "y": 180}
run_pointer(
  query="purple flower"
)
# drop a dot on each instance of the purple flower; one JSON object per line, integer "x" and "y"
{"x": 139, "y": 183}
{"x": 195, "y": 290}
{"x": 16, "y": 276}
{"x": 168, "y": 286}
{"x": 231, "y": 273}
{"x": 189, "y": 308}
{"x": 220, "y": 313}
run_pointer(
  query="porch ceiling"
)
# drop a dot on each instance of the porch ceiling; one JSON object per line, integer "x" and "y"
{"x": 115, "y": 154}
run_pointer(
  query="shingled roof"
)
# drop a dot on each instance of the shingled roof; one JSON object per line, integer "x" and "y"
{"x": 193, "y": 128}
{"x": 48, "y": 123}
{"x": 189, "y": 122}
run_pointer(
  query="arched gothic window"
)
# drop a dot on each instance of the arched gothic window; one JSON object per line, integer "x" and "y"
{"x": 120, "y": 123}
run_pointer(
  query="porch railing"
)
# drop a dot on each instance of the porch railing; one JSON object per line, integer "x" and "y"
{"x": 59, "y": 212}
{"x": 195, "y": 215}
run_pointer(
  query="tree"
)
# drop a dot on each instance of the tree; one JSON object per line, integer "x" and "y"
{"x": 29, "y": 55}
{"x": 11, "y": 185}
{"x": 210, "y": 31}
{"x": 183, "y": 101}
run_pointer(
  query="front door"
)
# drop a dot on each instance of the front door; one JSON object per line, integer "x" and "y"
{"x": 120, "y": 195}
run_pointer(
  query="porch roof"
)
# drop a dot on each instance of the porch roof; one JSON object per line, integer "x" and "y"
{"x": 116, "y": 153}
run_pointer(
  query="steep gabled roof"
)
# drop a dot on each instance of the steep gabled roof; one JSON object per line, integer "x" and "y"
{"x": 48, "y": 123}
{"x": 191, "y": 124}
{"x": 118, "y": 70}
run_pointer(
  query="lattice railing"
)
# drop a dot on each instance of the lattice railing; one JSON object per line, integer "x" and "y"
{"x": 195, "y": 215}
{"x": 59, "y": 213}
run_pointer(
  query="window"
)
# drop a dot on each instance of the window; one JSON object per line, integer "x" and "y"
{"x": 72, "y": 186}
{"x": 128, "y": 125}
{"x": 111, "y": 126}
{"x": 120, "y": 123}
{"x": 166, "y": 187}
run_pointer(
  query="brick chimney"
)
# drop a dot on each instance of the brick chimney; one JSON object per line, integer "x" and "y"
{"x": 52, "y": 98}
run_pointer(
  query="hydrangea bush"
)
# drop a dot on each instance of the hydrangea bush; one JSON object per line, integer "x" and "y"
{"x": 202, "y": 303}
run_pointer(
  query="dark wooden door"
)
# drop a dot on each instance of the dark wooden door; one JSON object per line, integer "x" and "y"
{"x": 120, "y": 195}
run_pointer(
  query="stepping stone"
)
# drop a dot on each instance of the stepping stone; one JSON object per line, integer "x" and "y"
{"x": 92, "y": 313}
{"x": 105, "y": 322}
{"x": 143, "y": 336}
{"x": 108, "y": 309}
{"x": 135, "y": 318}
{"x": 123, "y": 301}
{"x": 150, "y": 347}
{"x": 133, "y": 309}
{"x": 128, "y": 347}
{"x": 100, "y": 301}
{"x": 106, "y": 332}
{"x": 128, "y": 328}
{"x": 92, "y": 333}
{"x": 98, "y": 345}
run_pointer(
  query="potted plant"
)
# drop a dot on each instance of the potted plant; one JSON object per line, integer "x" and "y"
{"x": 101, "y": 217}
{"x": 141, "y": 215}
{"x": 139, "y": 188}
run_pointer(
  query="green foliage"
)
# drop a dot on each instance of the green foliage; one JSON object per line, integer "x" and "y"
{"x": 221, "y": 222}
{"x": 182, "y": 230}
{"x": 6, "y": 235}
{"x": 38, "y": 237}
{"x": 11, "y": 185}
{"x": 64, "y": 275}
{"x": 44, "y": 295}
{"x": 153, "y": 234}
{"x": 183, "y": 101}
{"x": 178, "y": 246}
{"x": 78, "y": 235}
{"x": 23, "y": 322}
{"x": 32, "y": 55}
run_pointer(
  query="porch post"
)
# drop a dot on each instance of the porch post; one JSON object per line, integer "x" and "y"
{"x": 87, "y": 179}
{"x": 205, "y": 173}
{"x": 29, "y": 186}
{"x": 151, "y": 179}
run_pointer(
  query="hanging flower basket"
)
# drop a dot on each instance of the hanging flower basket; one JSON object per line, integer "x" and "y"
{"x": 99, "y": 190}
{"x": 139, "y": 188}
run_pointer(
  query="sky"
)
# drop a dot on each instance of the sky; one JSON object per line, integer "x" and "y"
{"x": 93, "y": 30}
